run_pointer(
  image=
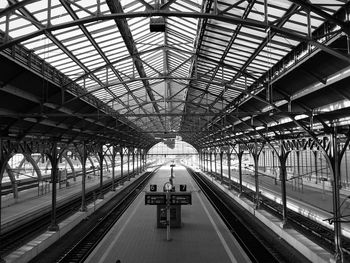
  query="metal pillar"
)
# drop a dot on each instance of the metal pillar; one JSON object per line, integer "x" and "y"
{"x": 83, "y": 157}
{"x": 143, "y": 165}
{"x": 137, "y": 163}
{"x": 316, "y": 168}
{"x": 273, "y": 167}
{"x": 215, "y": 163}
{"x": 297, "y": 154}
{"x": 121, "y": 163}
{"x": 240, "y": 155}
{"x": 3, "y": 161}
{"x": 256, "y": 174}
{"x": 133, "y": 162}
{"x": 207, "y": 161}
{"x": 145, "y": 160}
{"x": 264, "y": 154}
{"x": 54, "y": 164}
{"x": 211, "y": 162}
{"x": 199, "y": 159}
{"x": 113, "y": 167}
{"x": 128, "y": 164}
{"x": 101, "y": 173}
{"x": 229, "y": 170}
{"x": 203, "y": 162}
{"x": 335, "y": 160}
{"x": 221, "y": 172}
{"x": 283, "y": 175}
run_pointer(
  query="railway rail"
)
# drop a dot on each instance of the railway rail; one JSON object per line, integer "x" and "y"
{"x": 260, "y": 244}
{"x": 29, "y": 183}
{"x": 320, "y": 234}
{"x": 11, "y": 240}
{"x": 82, "y": 239}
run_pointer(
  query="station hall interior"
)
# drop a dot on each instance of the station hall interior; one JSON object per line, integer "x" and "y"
{"x": 174, "y": 131}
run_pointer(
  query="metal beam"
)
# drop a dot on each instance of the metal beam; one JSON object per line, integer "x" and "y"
{"x": 227, "y": 49}
{"x": 313, "y": 8}
{"x": 101, "y": 53}
{"x": 119, "y": 16}
{"x": 122, "y": 24}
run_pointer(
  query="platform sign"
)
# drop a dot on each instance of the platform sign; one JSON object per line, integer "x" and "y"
{"x": 153, "y": 188}
{"x": 183, "y": 188}
{"x": 155, "y": 199}
{"x": 181, "y": 199}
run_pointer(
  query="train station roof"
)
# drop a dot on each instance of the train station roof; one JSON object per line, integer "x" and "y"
{"x": 136, "y": 72}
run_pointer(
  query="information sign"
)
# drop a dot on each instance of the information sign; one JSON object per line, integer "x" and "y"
{"x": 183, "y": 188}
{"x": 155, "y": 199}
{"x": 180, "y": 199}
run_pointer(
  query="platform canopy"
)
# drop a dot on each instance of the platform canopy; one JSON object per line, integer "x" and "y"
{"x": 137, "y": 72}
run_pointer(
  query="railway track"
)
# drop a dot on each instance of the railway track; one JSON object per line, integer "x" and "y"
{"x": 321, "y": 235}
{"x": 261, "y": 245}
{"x": 81, "y": 240}
{"x": 29, "y": 183}
{"x": 22, "y": 234}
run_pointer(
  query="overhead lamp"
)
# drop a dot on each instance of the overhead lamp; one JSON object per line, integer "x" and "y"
{"x": 157, "y": 24}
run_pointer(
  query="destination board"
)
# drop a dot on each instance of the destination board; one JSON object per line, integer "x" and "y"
{"x": 181, "y": 199}
{"x": 155, "y": 199}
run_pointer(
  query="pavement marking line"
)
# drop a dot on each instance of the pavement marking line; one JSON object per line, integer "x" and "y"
{"x": 112, "y": 244}
{"x": 223, "y": 241}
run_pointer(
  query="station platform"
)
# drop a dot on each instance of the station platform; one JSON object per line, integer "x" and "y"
{"x": 310, "y": 199}
{"x": 29, "y": 202}
{"x": 24, "y": 209}
{"x": 202, "y": 238}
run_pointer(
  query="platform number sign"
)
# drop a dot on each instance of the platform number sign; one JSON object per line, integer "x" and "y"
{"x": 153, "y": 188}
{"x": 183, "y": 187}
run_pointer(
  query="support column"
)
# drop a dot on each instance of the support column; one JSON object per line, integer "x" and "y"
{"x": 221, "y": 172}
{"x": 298, "y": 169}
{"x": 264, "y": 160}
{"x": 202, "y": 158}
{"x": 316, "y": 168}
{"x": 229, "y": 170}
{"x": 137, "y": 162}
{"x": 335, "y": 160}
{"x": 121, "y": 163}
{"x": 100, "y": 154}
{"x": 113, "y": 167}
{"x": 283, "y": 174}
{"x": 128, "y": 164}
{"x": 273, "y": 167}
{"x": 3, "y": 162}
{"x": 215, "y": 163}
{"x": 15, "y": 190}
{"x": 211, "y": 162}
{"x": 204, "y": 161}
{"x": 83, "y": 157}
{"x": 256, "y": 177}
{"x": 133, "y": 162}
{"x": 207, "y": 161}
{"x": 199, "y": 159}
{"x": 240, "y": 156}
{"x": 54, "y": 166}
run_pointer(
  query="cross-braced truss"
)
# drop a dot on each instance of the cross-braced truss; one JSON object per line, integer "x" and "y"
{"x": 219, "y": 70}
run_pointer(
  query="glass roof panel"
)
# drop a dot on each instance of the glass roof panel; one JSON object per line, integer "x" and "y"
{"x": 113, "y": 64}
